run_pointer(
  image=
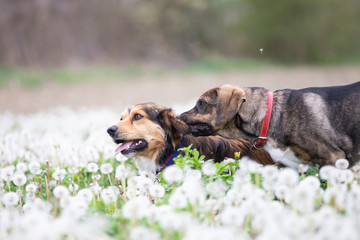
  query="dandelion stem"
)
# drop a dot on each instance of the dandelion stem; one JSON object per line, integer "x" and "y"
{"x": 110, "y": 179}
{"x": 123, "y": 185}
{"x": 20, "y": 200}
{"x": 48, "y": 197}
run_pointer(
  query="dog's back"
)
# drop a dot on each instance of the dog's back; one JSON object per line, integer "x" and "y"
{"x": 331, "y": 114}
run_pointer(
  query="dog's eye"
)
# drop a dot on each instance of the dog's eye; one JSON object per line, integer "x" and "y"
{"x": 137, "y": 117}
{"x": 121, "y": 119}
{"x": 201, "y": 103}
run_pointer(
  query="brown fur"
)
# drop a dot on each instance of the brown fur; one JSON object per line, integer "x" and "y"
{"x": 315, "y": 126}
{"x": 163, "y": 132}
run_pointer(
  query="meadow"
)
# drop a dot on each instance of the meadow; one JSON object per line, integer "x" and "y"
{"x": 60, "y": 179}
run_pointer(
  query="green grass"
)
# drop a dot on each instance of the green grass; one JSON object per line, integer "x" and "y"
{"x": 31, "y": 77}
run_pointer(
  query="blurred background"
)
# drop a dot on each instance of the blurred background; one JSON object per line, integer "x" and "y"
{"x": 122, "y": 52}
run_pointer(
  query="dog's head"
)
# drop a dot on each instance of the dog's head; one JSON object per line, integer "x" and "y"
{"x": 148, "y": 130}
{"x": 214, "y": 109}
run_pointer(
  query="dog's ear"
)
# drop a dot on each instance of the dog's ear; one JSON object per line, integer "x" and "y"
{"x": 228, "y": 103}
{"x": 175, "y": 126}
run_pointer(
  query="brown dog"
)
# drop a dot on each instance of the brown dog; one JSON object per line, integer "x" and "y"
{"x": 153, "y": 134}
{"x": 315, "y": 126}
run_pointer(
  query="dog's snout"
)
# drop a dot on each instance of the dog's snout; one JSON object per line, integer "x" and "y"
{"x": 112, "y": 130}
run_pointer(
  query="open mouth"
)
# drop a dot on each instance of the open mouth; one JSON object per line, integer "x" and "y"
{"x": 132, "y": 146}
{"x": 200, "y": 129}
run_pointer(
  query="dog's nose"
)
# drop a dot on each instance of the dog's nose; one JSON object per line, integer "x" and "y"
{"x": 112, "y": 130}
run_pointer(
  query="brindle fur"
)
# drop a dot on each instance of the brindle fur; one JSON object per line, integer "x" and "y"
{"x": 163, "y": 132}
{"x": 319, "y": 125}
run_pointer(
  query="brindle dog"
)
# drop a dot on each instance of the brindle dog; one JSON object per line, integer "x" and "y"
{"x": 152, "y": 133}
{"x": 315, "y": 126}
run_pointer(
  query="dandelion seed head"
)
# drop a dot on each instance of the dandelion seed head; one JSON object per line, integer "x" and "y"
{"x": 34, "y": 167}
{"x": 173, "y": 174}
{"x": 106, "y": 168}
{"x": 92, "y": 167}
{"x": 157, "y": 191}
{"x": 342, "y": 164}
{"x": 59, "y": 174}
{"x": 19, "y": 179}
{"x": 208, "y": 168}
{"x": 10, "y": 199}
{"x": 61, "y": 191}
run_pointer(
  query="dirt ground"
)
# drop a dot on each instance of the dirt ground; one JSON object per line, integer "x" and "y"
{"x": 168, "y": 89}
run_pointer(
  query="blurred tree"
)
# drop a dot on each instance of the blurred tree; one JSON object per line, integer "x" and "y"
{"x": 49, "y": 32}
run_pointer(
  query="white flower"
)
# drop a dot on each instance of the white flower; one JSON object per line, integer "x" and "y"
{"x": 108, "y": 195}
{"x": 96, "y": 177}
{"x": 178, "y": 201}
{"x": 85, "y": 194}
{"x": 31, "y": 188}
{"x": 302, "y": 168}
{"x": 342, "y": 164}
{"x": 136, "y": 208}
{"x": 288, "y": 177}
{"x": 7, "y": 173}
{"x": 282, "y": 192}
{"x": 10, "y": 199}
{"x": 73, "y": 187}
{"x": 157, "y": 191}
{"x": 120, "y": 172}
{"x": 269, "y": 172}
{"x": 193, "y": 173}
{"x": 327, "y": 172}
{"x": 34, "y": 167}
{"x": 310, "y": 182}
{"x": 121, "y": 158}
{"x": 92, "y": 167}
{"x": 61, "y": 191}
{"x": 106, "y": 168}
{"x": 233, "y": 216}
{"x": 209, "y": 168}
{"x": 216, "y": 189}
{"x": 21, "y": 167}
{"x": 173, "y": 174}
{"x": 19, "y": 179}
{"x": 141, "y": 232}
{"x": 59, "y": 174}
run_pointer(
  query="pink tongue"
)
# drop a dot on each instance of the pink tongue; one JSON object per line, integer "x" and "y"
{"x": 123, "y": 146}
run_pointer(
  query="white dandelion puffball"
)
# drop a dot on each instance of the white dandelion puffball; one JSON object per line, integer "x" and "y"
{"x": 288, "y": 177}
{"x": 7, "y": 173}
{"x": 141, "y": 232}
{"x": 92, "y": 167}
{"x": 21, "y": 167}
{"x": 31, "y": 188}
{"x": 85, "y": 194}
{"x": 108, "y": 195}
{"x": 121, "y": 158}
{"x": 157, "y": 191}
{"x": 106, "y": 168}
{"x": 34, "y": 167}
{"x": 59, "y": 174}
{"x": 173, "y": 174}
{"x": 342, "y": 164}
{"x": 10, "y": 199}
{"x": 61, "y": 191}
{"x": 209, "y": 168}
{"x": 121, "y": 172}
{"x": 178, "y": 201}
{"x": 19, "y": 179}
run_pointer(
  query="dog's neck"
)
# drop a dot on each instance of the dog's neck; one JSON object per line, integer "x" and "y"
{"x": 251, "y": 113}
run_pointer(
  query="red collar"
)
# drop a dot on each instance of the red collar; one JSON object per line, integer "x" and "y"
{"x": 265, "y": 124}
